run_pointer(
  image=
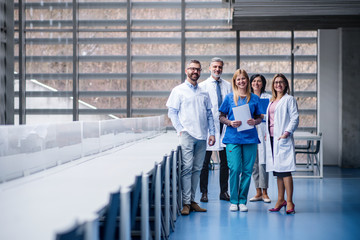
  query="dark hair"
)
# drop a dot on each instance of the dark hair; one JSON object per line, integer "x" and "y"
{"x": 193, "y": 61}
{"x": 263, "y": 80}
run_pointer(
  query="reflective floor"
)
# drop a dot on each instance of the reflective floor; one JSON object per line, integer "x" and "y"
{"x": 327, "y": 208}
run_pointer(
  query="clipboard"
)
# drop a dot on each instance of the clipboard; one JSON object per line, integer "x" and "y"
{"x": 263, "y": 104}
{"x": 242, "y": 113}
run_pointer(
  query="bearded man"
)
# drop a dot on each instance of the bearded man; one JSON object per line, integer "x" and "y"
{"x": 190, "y": 113}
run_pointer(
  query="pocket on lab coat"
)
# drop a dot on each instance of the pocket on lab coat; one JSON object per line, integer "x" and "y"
{"x": 284, "y": 147}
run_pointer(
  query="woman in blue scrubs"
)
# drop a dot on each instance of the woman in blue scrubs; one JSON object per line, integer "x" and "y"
{"x": 241, "y": 147}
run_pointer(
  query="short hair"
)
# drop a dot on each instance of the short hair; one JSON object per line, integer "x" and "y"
{"x": 263, "y": 80}
{"x": 217, "y": 59}
{"x": 193, "y": 61}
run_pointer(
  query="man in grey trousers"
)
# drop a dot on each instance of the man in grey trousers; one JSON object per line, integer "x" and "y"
{"x": 190, "y": 113}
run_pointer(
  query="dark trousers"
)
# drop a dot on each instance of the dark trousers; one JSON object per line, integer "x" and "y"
{"x": 224, "y": 172}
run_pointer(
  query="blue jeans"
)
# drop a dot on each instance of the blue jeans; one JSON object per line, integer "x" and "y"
{"x": 241, "y": 158}
{"x": 193, "y": 153}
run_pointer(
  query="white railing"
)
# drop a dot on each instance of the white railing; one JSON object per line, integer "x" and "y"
{"x": 28, "y": 149}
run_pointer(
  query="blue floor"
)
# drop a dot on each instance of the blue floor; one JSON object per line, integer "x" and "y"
{"x": 327, "y": 208}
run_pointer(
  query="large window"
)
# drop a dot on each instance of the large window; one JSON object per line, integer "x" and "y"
{"x": 113, "y": 59}
{"x": 293, "y": 54}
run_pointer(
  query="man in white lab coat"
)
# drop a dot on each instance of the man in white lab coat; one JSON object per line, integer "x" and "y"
{"x": 217, "y": 88}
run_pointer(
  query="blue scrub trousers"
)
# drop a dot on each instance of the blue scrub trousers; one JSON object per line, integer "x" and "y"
{"x": 241, "y": 158}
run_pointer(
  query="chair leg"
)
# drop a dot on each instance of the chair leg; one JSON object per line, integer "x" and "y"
{"x": 172, "y": 224}
{"x": 308, "y": 161}
{"x": 211, "y": 167}
{"x": 317, "y": 164}
{"x": 163, "y": 230}
{"x": 312, "y": 163}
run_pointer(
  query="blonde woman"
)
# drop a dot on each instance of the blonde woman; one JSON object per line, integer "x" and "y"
{"x": 241, "y": 146}
{"x": 281, "y": 123}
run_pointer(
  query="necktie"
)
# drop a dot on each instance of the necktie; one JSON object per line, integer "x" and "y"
{"x": 218, "y": 91}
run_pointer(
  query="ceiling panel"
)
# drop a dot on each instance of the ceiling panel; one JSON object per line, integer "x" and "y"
{"x": 295, "y": 15}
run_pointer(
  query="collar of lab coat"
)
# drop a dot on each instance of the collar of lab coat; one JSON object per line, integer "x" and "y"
{"x": 281, "y": 100}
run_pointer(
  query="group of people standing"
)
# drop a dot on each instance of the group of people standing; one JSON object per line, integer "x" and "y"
{"x": 203, "y": 116}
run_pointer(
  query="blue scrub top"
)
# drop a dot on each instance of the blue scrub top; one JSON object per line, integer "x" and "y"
{"x": 232, "y": 136}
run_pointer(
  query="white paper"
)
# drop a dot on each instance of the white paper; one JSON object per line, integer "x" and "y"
{"x": 242, "y": 113}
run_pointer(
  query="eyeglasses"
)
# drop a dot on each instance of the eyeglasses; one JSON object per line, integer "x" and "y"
{"x": 279, "y": 82}
{"x": 194, "y": 69}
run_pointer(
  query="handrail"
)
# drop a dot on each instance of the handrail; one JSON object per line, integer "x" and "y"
{"x": 28, "y": 149}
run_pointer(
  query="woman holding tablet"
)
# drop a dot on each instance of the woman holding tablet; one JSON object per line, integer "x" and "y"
{"x": 241, "y": 146}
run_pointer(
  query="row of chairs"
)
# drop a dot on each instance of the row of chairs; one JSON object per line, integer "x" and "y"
{"x": 147, "y": 210}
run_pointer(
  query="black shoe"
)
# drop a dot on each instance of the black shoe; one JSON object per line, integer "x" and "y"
{"x": 204, "y": 198}
{"x": 224, "y": 196}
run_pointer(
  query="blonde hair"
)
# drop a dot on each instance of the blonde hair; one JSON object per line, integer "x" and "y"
{"x": 235, "y": 88}
{"x": 287, "y": 87}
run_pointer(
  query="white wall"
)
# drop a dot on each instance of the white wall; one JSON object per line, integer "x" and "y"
{"x": 329, "y": 94}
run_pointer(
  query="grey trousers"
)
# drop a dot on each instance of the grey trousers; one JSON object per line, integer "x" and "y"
{"x": 193, "y": 153}
{"x": 260, "y": 176}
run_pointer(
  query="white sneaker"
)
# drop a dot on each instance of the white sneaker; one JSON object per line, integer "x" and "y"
{"x": 243, "y": 208}
{"x": 234, "y": 208}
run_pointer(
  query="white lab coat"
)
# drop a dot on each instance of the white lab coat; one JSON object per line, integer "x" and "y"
{"x": 209, "y": 85}
{"x": 286, "y": 118}
{"x": 261, "y": 129}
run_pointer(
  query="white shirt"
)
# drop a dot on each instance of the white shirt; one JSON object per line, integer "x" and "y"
{"x": 210, "y": 86}
{"x": 190, "y": 110}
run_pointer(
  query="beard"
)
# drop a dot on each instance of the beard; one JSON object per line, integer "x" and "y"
{"x": 193, "y": 76}
{"x": 214, "y": 74}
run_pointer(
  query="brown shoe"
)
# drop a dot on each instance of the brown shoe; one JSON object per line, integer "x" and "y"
{"x": 185, "y": 210}
{"x": 195, "y": 207}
